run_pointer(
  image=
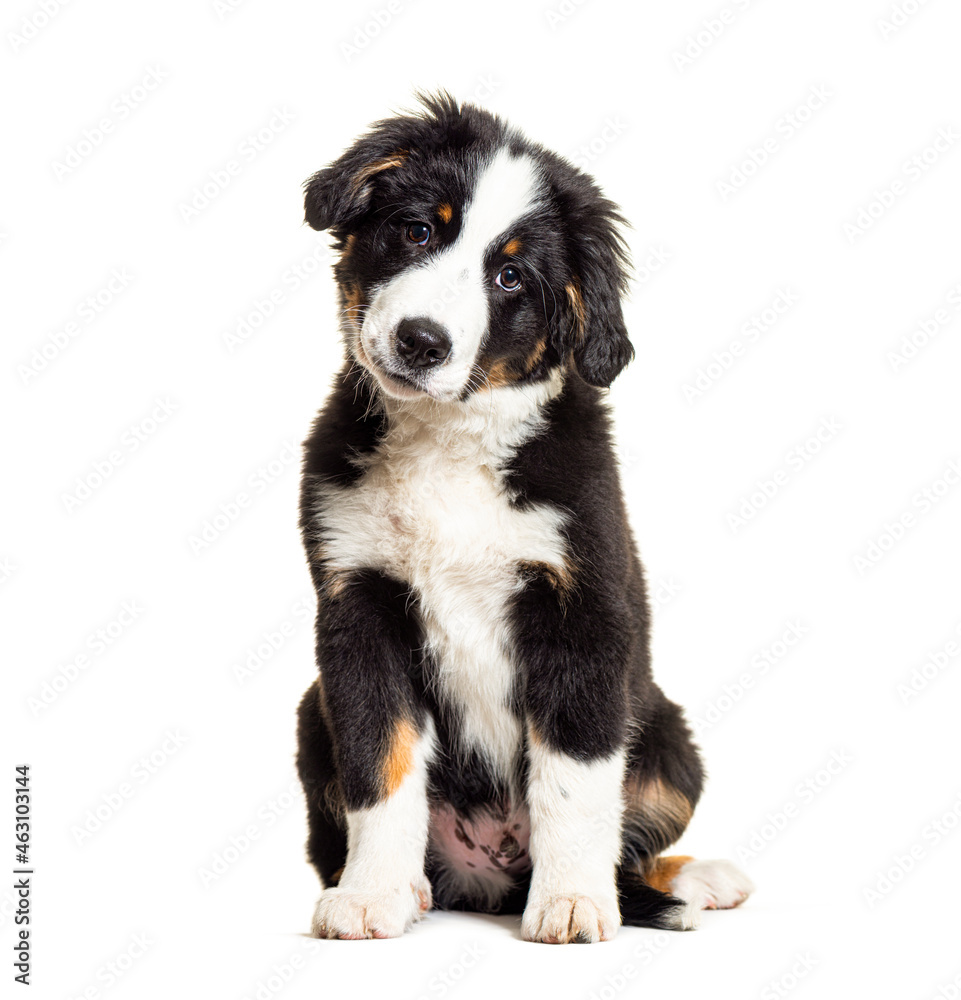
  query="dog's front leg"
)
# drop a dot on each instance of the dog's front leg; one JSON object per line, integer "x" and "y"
{"x": 575, "y": 808}
{"x": 576, "y": 709}
{"x": 383, "y": 743}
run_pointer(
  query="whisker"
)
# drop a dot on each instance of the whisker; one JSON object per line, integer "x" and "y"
{"x": 400, "y": 208}
{"x": 542, "y": 281}
{"x": 355, "y": 314}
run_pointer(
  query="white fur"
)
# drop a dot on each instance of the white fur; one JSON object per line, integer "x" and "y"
{"x": 576, "y": 812}
{"x": 383, "y": 888}
{"x": 451, "y": 286}
{"x": 708, "y": 885}
{"x": 431, "y": 509}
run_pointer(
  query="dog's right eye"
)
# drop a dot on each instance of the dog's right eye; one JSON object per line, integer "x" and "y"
{"x": 419, "y": 233}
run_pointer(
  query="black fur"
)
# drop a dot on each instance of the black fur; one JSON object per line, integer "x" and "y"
{"x": 644, "y": 906}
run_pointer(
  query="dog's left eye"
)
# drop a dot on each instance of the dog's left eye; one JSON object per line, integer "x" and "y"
{"x": 419, "y": 233}
{"x": 509, "y": 279}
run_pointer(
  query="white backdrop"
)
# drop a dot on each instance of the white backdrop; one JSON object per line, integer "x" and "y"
{"x": 789, "y": 435}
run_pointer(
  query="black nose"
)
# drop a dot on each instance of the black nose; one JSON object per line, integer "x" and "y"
{"x": 421, "y": 342}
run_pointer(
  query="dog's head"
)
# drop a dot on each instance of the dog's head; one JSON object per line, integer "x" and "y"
{"x": 471, "y": 258}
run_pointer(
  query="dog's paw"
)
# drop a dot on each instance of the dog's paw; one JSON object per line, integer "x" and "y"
{"x": 708, "y": 885}
{"x": 351, "y": 915}
{"x": 570, "y": 919}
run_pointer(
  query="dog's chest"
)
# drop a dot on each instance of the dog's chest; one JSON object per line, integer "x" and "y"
{"x": 436, "y": 515}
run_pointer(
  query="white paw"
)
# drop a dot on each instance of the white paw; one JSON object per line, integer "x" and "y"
{"x": 570, "y": 919}
{"x": 351, "y": 915}
{"x": 709, "y": 885}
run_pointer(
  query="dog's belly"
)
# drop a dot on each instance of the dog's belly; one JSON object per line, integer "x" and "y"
{"x": 492, "y": 843}
{"x": 441, "y": 521}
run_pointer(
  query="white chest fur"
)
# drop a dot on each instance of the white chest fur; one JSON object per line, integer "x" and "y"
{"x": 431, "y": 510}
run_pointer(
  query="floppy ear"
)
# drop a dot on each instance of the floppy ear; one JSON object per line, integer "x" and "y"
{"x": 341, "y": 193}
{"x": 595, "y": 334}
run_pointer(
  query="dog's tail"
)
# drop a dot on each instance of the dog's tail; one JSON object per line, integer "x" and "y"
{"x": 669, "y": 893}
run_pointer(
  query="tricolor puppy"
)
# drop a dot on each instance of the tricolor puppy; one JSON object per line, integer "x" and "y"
{"x": 485, "y": 733}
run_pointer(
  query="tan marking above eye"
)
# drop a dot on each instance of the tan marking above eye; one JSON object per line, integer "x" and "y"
{"x": 445, "y": 211}
{"x": 512, "y": 247}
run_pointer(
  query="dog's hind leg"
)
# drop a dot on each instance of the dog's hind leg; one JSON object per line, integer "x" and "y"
{"x": 701, "y": 885}
{"x": 327, "y": 837}
{"x": 662, "y": 787}
{"x": 671, "y": 892}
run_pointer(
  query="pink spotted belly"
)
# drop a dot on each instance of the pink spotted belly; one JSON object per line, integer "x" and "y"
{"x": 497, "y": 841}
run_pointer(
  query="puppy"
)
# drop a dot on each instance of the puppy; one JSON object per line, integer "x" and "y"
{"x": 485, "y": 732}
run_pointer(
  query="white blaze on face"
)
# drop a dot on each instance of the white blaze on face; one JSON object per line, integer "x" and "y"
{"x": 452, "y": 287}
